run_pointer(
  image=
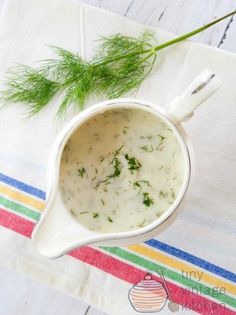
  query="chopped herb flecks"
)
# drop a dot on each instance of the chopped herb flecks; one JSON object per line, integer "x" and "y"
{"x": 117, "y": 151}
{"x": 81, "y": 171}
{"x": 147, "y": 201}
{"x": 83, "y": 212}
{"x": 101, "y": 159}
{"x": 125, "y": 130}
{"x": 109, "y": 219}
{"x": 172, "y": 194}
{"x": 139, "y": 183}
{"x": 162, "y": 194}
{"x": 116, "y": 166}
{"x": 147, "y": 148}
{"x": 133, "y": 163}
{"x": 160, "y": 147}
{"x": 126, "y": 172}
{"x": 162, "y": 138}
{"x": 117, "y": 170}
{"x": 142, "y": 224}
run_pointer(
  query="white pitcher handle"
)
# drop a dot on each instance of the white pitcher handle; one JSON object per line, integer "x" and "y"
{"x": 182, "y": 107}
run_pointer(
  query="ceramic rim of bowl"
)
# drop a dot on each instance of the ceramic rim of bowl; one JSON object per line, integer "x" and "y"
{"x": 101, "y": 107}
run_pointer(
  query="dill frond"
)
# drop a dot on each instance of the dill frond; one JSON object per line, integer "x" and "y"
{"x": 73, "y": 74}
{"x": 120, "y": 64}
{"x": 116, "y": 76}
{"x": 27, "y": 85}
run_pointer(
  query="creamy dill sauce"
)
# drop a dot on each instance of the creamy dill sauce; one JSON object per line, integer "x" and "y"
{"x": 121, "y": 170}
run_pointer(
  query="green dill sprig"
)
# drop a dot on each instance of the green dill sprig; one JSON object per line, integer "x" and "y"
{"x": 117, "y": 170}
{"x": 117, "y": 152}
{"x": 81, "y": 171}
{"x": 109, "y": 220}
{"x": 115, "y": 162}
{"x": 120, "y": 64}
{"x": 29, "y": 86}
{"x": 163, "y": 194}
{"x": 147, "y": 201}
{"x": 161, "y": 137}
{"x": 139, "y": 184}
{"x": 147, "y": 148}
{"x": 133, "y": 163}
{"x": 84, "y": 212}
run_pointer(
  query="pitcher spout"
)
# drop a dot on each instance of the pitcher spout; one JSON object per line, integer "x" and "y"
{"x": 57, "y": 232}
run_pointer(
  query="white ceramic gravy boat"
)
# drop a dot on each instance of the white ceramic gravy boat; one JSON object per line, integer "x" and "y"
{"x": 58, "y": 232}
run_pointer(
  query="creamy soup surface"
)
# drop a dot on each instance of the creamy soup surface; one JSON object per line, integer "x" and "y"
{"x": 121, "y": 170}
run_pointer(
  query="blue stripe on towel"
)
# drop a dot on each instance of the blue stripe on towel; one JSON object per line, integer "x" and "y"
{"x": 22, "y": 186}
{"x": 193, "y": 259}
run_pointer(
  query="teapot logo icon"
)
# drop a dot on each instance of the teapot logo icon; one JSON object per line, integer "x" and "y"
{"x": 150, "y": 296}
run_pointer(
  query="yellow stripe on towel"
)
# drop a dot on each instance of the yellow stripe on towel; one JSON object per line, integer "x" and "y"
{"x": 22, "y": 198}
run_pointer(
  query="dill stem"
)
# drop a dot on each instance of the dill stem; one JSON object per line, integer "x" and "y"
{"x": 154, "y": 49}
{"x": 194, "y": 32}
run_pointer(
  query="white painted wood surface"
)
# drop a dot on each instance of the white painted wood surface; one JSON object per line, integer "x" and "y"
{"x": 22, "y": 296}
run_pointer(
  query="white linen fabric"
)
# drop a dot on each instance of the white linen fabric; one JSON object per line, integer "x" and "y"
{"x": 207, "y": 225}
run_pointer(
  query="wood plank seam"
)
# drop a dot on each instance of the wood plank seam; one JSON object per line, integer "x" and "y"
{"x": 225, "y": 32}
{"x": 129, "y": 7}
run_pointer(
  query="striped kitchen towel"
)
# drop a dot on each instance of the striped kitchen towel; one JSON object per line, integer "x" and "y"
{"x": 190, "y": 267}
